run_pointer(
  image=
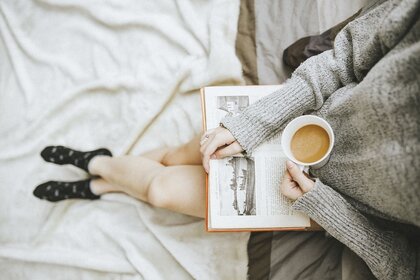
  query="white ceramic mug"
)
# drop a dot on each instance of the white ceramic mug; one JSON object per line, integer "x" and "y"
{"x": 295, "y": 125}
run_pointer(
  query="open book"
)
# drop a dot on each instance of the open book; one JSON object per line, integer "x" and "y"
{"x": 243, "y": 193}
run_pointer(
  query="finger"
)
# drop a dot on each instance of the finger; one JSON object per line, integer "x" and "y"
{"x": 214, "y": 133}
{"x": 203, "y": 140}
{"x": 205, "y": 159}
{"x": 292, "y": 185}
{"x": 205, "y": 143}
{"x": 230, "y": 150}
{"x": 212, "y": 145}
{"x": 286, "y": 181}
{"x": 206, "y": 164}
{"x": 206, "y": 135}
{"x": 287, "y": 177}
{"x": 220, "y": 137}
{"x": 208, "y": 149}
{"x": 297, "y": 175}
{"x": 290, "y": 189}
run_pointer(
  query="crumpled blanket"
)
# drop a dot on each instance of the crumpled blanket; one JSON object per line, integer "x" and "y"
{"x": 118, "y": 74}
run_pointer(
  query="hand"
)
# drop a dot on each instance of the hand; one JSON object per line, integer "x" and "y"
{"x": 295, "y": 183}
{"x": 212, "y": 141}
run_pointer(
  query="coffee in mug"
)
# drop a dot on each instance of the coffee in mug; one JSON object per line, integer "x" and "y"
{"x": 308, "y": 141}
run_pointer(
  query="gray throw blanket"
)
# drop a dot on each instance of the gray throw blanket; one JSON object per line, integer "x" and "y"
{"x": 368, "y": 89}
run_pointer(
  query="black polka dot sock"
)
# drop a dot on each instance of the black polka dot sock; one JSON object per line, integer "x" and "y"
{"x": 63, "y": 155}
{"x": 56, "y": 191}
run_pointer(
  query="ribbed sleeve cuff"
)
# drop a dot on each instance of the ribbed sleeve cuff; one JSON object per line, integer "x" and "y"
{"x": 265, "y": 118}
{"x": 386, "y": 253}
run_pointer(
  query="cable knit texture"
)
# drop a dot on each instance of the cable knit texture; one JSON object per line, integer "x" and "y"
{"x": 368, "y": 89}
{"x": 241, "y": 127}
{"x": 381, "y": 249}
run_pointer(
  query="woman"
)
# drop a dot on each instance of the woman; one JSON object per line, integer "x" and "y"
{"x": 368, "y": 88}
{"x": 367, "y": 196}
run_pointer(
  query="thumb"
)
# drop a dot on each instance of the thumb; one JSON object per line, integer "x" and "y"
{"x": 297, "y": 175}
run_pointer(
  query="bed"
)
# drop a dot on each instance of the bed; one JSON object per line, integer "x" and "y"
{"x": 126, "y": 75}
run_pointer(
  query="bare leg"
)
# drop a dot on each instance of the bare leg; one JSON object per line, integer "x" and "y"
{"x": 178, "y": 188}
{"x": 100, "y": 186}
{"x": 169, "y": 178}
{"x": 187, "y": 154}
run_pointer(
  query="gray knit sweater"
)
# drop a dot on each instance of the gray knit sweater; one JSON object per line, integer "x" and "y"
{"x": 368, "y": 89}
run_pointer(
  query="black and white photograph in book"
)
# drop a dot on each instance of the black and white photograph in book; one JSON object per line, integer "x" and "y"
{"x": 237, "y": 187}
{"x": 232, "y": 105}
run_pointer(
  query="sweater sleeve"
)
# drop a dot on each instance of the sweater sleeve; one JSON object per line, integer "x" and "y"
{"x": 357, "y": 48}
{"x": 388, "y": 254}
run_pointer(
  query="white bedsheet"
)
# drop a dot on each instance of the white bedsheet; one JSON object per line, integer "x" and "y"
{"x": 100, "y": 73}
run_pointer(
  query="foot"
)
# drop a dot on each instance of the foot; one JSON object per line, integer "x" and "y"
{"x": 63, "y": 155}
{"x": 56, "y": 191}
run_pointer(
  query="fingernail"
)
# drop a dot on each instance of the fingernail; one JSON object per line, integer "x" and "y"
{"x": 289, "y": 164}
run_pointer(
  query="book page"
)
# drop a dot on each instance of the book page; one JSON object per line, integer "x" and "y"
{"x": 244, "y": 192}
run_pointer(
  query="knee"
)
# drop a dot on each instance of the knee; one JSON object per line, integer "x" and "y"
{"x": 157, "y": 195}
